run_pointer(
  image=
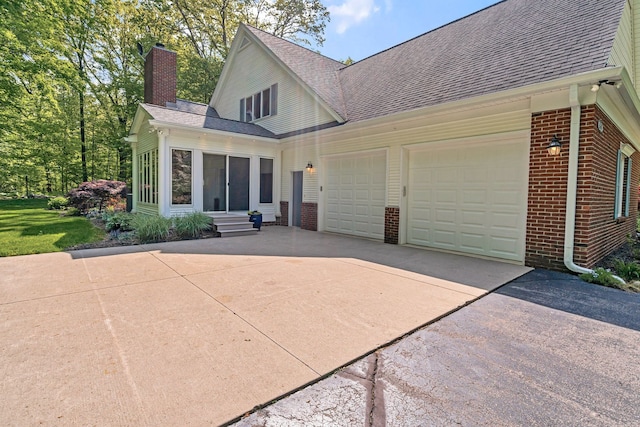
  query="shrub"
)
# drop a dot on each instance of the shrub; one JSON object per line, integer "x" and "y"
{"x": 96, "y": 194}
{"x": 629, "y": 271}
{"x": 600, "y": 276}
{"x": 121, "y": 221}
{"x": 57, "y": 203}
{"x": 192, "y": 225}
{"x": 151, "y": 228}
{"x": 72, "y": 212}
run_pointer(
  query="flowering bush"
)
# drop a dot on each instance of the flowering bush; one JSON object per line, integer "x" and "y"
{"x": 97, "y": 193}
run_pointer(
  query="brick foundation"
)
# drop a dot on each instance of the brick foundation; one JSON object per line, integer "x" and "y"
{"x": 309, "y": 220}
{"x": 391, "y": 224}
{"x": 284, "y": 211}
{"x": 597, "y": 231}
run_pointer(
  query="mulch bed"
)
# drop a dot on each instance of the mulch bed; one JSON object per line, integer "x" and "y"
{"x": 116, "y": 239}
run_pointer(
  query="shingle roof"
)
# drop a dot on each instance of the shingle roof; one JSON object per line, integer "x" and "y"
{"x": 202, "y": 116}
{"x": 511, "y": 44}
{"x": 317, "y": 71}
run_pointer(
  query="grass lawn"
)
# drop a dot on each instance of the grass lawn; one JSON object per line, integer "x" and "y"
{"x": 26, "y": 227}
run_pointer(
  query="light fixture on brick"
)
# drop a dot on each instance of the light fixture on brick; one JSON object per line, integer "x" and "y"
{"x": 554, "y": 146}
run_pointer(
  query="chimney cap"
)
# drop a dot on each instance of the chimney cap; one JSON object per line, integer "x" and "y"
{"x": 158, "y": 44}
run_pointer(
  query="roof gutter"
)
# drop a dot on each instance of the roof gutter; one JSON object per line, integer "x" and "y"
{"x": 572, "y": 185}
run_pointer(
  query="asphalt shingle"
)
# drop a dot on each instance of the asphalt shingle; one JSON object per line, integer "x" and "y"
{"x": 202, "y": 116}
{"x": 510, "y": 44}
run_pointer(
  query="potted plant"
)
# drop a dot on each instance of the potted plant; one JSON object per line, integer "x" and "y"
{"x": 256, "y": 218}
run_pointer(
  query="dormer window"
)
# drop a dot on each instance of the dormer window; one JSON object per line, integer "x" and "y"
{"x": 259, "y": 105}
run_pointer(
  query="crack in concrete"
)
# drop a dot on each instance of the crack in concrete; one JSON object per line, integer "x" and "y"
{"x": 372, "y": 394}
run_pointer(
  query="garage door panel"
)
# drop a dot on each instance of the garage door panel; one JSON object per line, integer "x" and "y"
{"x": 360, "y": 182}
{"x": 445, "y": 196}
{"x": 469, "y": 199}
{"x": 474, "y": 218}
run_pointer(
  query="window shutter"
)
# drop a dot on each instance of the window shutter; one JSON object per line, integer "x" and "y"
{"x": 628, "y": 190}
{"x": 619, "y": 167}
{"x": 274, "y": 99}
{"x": 242, "y": 110}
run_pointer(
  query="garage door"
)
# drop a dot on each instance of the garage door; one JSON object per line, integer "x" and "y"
{"x": 470, "y": 199}
{"x": 355, "y": 194}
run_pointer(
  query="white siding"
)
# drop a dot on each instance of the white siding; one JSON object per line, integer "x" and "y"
{"x": 624, "y": 47}
{"x": 252, "y": 70}
{"x": 147, "y": 141}
{"x": 392, "y": 137}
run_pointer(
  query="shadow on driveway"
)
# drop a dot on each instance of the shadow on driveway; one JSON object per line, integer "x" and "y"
{"x": 570, "y": 294}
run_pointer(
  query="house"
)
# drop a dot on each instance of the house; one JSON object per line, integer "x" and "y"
{"x": 442, "y": 141}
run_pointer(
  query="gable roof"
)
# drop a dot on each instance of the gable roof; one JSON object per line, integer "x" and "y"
{"x": 194, "y": 114}
{"x": 511, "y": 44}
{"x": 317, "y": 71}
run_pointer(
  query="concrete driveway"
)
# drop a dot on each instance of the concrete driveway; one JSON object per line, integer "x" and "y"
{"x": 200, "y": 332}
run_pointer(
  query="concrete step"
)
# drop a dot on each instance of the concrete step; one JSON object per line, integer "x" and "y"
{"x": 234, "y": 225}
{"x": 240, "y": 232}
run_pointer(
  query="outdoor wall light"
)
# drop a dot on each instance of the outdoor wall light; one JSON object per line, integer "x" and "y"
{"x": 596, "y": 87}
{"x": 554, "y": 146}
{"x": 309, "y": 167}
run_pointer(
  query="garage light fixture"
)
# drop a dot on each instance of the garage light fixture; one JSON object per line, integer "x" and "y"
{"x": 554, "y": 146}
{"x": 596, "y": 87}
{"x": 309, "y": 167}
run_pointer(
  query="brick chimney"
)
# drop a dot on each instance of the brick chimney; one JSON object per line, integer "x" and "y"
{"x": 160, "y": 71}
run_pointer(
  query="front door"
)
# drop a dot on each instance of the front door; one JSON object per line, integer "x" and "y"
{"x": 296, "y": 200}
{"x": 226, "y": 183}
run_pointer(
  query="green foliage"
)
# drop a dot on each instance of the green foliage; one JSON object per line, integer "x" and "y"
{"x": 151, "y": 228}
{"x": 73, "y": 212}
{"x": 192, "y": 225}
{"x": 121, "y": 221}
{"x": 629, "y": 271}
{"x": 71, "y": 78}
{"x": 57, "y": 203}
{"x": 600, "y": 276}
{"x": 27, "y": 227}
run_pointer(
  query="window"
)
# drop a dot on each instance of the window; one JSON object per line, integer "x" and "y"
{"x": 266, "y": 180}
{"x": 258, "y": 105}
{"x": 623, "y": 183}
{"x": 148, "y": 177}
{"x": 181, "y": 177}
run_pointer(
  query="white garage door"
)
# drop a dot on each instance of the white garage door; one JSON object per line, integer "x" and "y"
{"x": 469, "y": 199}
{"x": 355, "y": 194}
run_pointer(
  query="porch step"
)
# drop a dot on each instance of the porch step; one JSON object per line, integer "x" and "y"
{"x": 230, "y": 225}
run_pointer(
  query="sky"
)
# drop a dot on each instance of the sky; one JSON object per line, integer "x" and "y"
{"x": 361, "y": 28}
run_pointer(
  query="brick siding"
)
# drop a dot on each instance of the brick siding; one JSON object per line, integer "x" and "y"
{"x": 160, "y": 74}
{"x": 284, "y": 211}
{"x": 597, "y": 232}
{"x": 391, "y": 224}
{"x": 309, "y": 220}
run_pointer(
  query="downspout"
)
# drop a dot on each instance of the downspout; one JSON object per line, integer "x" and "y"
{"x": 572, "y": 185}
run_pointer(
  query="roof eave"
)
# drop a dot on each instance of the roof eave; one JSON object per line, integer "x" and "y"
{"x": 158, "y": 124}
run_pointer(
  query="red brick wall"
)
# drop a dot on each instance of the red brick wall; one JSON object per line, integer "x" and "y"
{"x": 391, "y": 223}
{"x": 547, "y": 190}
{"x": 309, "y": 216}
{"x": 597, "y": 232}
{"x": 284, "y": 211}
{"x": 160, "y": 74}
